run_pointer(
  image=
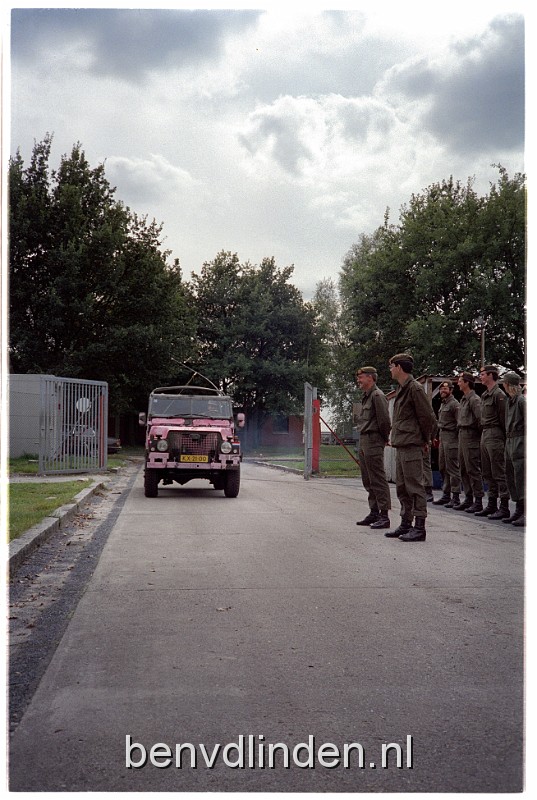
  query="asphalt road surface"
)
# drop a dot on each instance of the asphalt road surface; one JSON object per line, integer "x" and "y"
{"x": 214, "y": 629}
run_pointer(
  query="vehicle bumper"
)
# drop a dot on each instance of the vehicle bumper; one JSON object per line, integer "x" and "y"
{"x": 164, "y": 462}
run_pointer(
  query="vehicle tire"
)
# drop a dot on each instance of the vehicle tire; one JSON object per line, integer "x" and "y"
{"x": 233, "y": 483}
{"x": 151, "y": 483}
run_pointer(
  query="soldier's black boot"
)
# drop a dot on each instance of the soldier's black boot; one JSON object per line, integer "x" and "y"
{"x": 455, "y": 500}
{"x": 476, "y": 506}
{"x": 382, "y": 522}
{"x": 406, "y": 525}
{"x": 517, "y": 513}
{"x": 415, "y": 534}
{"x": 442, "y": 501}
{"x": 466, "y": 503}
{"x": 503, "y": 511}
{"x": 520, "y": 522}
{"x": 491, "y": 508}
{"x": 371, "y": 517}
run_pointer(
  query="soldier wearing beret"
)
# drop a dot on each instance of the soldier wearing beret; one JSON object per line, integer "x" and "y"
{"x": 412, "y": 425}
{"x": 469, "y": 445}
{"x": 448, "y": 454}
{"x": 374, "y": 425}
{"x": 515, "y": 447}
{"x": 493, "y": 402}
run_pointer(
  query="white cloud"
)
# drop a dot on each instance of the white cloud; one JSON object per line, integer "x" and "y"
{"x": 154, "y": 177}
{"x": 272, "y": 133}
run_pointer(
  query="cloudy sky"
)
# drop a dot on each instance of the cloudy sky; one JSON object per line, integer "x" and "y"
{"x": 274, "y": 132}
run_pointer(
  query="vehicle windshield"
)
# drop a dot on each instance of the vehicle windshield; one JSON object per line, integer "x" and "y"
{"x": 162, "y": 405}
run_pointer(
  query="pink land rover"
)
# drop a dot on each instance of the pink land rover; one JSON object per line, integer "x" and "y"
{"x": 191, "y": 433}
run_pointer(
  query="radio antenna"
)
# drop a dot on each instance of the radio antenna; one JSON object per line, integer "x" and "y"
{"x": 194, "y": 373}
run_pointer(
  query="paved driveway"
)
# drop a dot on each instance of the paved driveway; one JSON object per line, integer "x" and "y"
{"x": 272, "y": 617}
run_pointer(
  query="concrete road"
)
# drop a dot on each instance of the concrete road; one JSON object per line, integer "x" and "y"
{"x": 274, "y": 618}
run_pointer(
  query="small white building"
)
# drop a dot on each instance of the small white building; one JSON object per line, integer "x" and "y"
{"x": 24, "y": 392}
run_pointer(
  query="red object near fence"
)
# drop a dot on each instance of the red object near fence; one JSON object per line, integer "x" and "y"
{"x": 316, "y": 436}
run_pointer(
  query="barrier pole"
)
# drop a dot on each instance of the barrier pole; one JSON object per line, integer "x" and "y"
{"x": 339, "y": 440}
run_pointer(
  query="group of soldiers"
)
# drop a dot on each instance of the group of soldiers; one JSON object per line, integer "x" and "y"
{"x": 481, "y": 440}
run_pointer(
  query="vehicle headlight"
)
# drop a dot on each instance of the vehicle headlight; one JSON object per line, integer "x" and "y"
{"x": 162, "y": 445}
{"x": 226, "y": 447}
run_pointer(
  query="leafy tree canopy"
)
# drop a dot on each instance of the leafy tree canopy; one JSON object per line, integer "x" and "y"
{"x": 258, "y": 339}
{"x": 421, "y": 286}
{"x": 91, "y": 293}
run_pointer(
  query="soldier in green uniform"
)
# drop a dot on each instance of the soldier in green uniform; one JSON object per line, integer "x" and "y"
{"x": 448, "y": 455}
{"x": 515, "y": 447}
{"x": 374, "y": 425}
{"x": 412, "y": 425}
{"x": 469, "y": 446}
{"x": 493, "y": 402}
{"x": 428, "y": 472}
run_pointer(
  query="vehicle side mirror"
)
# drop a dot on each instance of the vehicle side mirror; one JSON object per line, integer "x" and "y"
{"x": 142, "y": 418}
{"x": 241, "y": 420}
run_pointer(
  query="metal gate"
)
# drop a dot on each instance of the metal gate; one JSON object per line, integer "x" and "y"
{"x": 73, "y": 425}
{"x": 314, "y": 462}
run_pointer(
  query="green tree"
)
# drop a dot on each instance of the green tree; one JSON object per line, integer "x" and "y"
{"x": 500, "y": 287}
{"x": 377, "y": 299}
{"x": 422, "y": 285}
{"x": 217, "y": 301}
{"x": 91, "y": 293}
{"x": 258, "y": 338}
{"x": 441, "y": 248}
{"x": 338, "y": 362}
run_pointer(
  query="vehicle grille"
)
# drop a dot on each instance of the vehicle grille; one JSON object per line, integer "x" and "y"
{"x": 197, "y": 444}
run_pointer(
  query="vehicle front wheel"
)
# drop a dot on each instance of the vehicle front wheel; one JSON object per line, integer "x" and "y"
{"x": 151, "y": 483}
{"x": 233, "y": 483}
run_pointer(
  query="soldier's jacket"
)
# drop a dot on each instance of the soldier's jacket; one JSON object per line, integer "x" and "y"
{"x": 493, "y": 408}
{"x": 448, "y": 416}
{"x": 413, "y": 416}
{"x": 515, "y": 425}
{"x": 374, "y": 416}
{"x": 470, "y": 412}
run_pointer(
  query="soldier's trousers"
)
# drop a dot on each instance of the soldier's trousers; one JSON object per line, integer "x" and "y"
{"x": 515, "y": 467}
{"x": 448, "y": 462}
{"x": 409, "y": 482}
{"x": 371, "y": 458}
{"x": 470, "y": 462}
{"x": 493, "y": 463}
{"x": 427, "y": 470}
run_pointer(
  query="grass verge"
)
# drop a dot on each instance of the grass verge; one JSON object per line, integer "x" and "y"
{"x": 29, "y": 464}
{"x": 30, "y": 503}
{"x": 334, "y": 461}
{"x": 25, "y": 465}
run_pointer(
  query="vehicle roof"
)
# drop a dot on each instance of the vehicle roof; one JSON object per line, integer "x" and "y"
{"x": 188, "y": 390}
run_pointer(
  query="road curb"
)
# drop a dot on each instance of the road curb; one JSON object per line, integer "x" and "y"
{"x": 275, "y": 466}
{"x": 21, "y": 547}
